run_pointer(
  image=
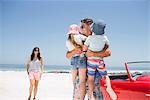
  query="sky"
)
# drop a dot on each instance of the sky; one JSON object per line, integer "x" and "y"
{"x": 25, "y": 24}
{"x": 149, "y": 27}
{"x": 0, "y": 32}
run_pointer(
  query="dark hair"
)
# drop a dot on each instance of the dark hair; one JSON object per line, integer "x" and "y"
{"x": 87, "y": 21}
{"x": 38, "y": 56}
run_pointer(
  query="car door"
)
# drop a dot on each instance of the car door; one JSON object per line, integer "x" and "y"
{"x": 120, "y": 87}
{"x": 140, "y": 90}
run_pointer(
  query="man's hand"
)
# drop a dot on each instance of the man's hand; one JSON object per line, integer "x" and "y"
{"x": 103, "y": 54}
{"x": 89, "y": 53}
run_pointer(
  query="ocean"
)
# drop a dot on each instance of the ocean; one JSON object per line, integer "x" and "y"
{"x": 21, "y": 67}
{"x": 59, "y": 68}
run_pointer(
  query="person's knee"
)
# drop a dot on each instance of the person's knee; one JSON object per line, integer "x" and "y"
{"x": 106, "y": 78}
{"x": 91, "y": 80}
{"x": 36, "y": 85}
{"x": 74, "y": 79}
{"x": 82, "y": 82}
{"x": 31, "y": 86}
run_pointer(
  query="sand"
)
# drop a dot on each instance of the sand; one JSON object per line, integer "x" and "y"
{"x": 52, "y": 86}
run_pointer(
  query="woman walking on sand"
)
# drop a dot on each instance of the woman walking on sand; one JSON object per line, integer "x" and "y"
{"x": 34, "y": 70}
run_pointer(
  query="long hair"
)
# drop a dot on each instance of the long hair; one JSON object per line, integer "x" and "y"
{"x": 33, "y": 55}
{"x": 71, "y": 39}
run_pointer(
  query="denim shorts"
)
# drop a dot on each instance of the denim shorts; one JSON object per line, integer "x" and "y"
{"x": 78, "y": 62}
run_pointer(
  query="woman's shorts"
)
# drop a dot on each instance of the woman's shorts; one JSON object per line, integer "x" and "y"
{"x": 78, "y": 62}
{"x": 34, "y": 75}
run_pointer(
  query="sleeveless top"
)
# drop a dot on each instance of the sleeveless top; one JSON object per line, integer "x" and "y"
{"x": 35, "y": 65}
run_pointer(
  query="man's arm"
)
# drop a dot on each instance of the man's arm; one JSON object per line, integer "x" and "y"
{"x": 105, "y": 48}
{"x": 104, "y": 53}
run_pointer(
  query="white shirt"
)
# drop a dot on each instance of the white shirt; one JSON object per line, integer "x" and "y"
{"x": 78, "y": 39}
{"x": 96, "y": 42}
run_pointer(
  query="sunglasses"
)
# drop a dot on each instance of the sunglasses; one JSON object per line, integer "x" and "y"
{"x": 82, "y": 27}
{"x": 36, "y": 50}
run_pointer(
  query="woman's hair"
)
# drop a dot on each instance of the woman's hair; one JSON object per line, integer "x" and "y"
{"x": 38, "y": 56}
{"x": 87, "y": 21}
{"x": 71, "y": 39}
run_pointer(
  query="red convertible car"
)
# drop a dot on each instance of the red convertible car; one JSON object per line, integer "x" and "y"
{"x": 134, "y": 84}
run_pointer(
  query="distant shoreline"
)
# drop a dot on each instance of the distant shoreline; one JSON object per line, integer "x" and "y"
{"x": 59, "y": 68}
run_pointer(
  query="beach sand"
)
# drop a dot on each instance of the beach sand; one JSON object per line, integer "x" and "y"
{"x": 52, "y": 86}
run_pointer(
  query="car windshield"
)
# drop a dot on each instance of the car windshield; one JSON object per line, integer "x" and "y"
{"x": 141, "y": 68}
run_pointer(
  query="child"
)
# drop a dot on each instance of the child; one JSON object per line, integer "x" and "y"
{"x": 96, "y": 43}
{"x": 75, "y": 41}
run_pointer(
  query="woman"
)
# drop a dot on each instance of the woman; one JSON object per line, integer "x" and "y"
{"x": 34, "y": 70}
{"x": 75, "y": 40}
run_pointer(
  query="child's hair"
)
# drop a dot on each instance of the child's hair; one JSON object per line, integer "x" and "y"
{"x": 71, "y": 39}
{"x": 74, "y": 30}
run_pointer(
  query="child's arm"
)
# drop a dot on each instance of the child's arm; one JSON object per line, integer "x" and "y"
{"x": 85, "y": 48}
{"x": 106, "y": 44}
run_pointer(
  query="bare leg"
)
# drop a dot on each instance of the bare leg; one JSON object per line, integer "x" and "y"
{"x": 74, "y": 76}
{"x": 31, "y": 88}
{"x": 109, "y": 89}
{"x": 107, "y": 80}
{"x": 82, "y": 78}
{"x": 36, "y": 87}
{"x": 91, "y": 86}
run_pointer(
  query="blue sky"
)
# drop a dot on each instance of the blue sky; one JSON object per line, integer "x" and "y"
{"x": 26, "y": 24}
{"x": 149, "y": 27}
{"x": 0, "y": 32}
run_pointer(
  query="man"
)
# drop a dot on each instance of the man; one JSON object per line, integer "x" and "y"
{"x": 86, "y": 30}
